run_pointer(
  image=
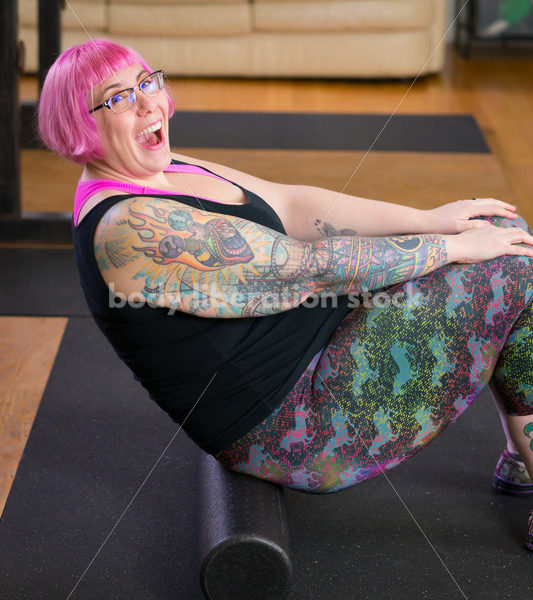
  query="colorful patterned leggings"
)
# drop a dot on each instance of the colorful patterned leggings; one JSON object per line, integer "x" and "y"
{"x": 393, "y": 377}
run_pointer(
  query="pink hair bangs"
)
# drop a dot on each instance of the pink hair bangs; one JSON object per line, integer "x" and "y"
{"x": 65, "y": 124}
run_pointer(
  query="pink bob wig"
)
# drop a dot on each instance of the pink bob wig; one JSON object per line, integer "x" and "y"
{"x": 65, "y": 124}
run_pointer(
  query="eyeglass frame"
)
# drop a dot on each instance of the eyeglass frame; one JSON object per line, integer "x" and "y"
{"x": 106, "y": 104}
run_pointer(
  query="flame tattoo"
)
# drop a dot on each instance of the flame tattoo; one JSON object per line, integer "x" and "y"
{"x": 203, "y": 243}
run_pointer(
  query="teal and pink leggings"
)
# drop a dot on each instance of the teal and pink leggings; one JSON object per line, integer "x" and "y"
{"x": 392, "y": 378}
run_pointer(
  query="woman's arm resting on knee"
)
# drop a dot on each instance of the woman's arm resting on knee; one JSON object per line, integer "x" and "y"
{"x": 319, "y": 212}
{"x": 322, "y": 213}
{"x": 214, "y": 265}
{"x": 311, "y": 213}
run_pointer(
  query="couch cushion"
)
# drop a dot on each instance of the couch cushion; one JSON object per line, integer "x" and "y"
{"x": 197, "y": 56}
{"x": 69, "y": 37}
{"x": 342, "y": 54}
{"x": 342, "y": 15}
{"x": 180, "y": 20}
{"x": 174, "y": 2}
{"x": 92, "y": 13}
{"x": 306, "y": 1}
{"x": 27, "y": 13}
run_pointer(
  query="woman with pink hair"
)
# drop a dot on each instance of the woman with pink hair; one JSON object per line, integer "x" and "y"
{"x": 314, "y": 354}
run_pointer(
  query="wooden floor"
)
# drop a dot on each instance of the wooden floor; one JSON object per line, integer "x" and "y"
{"x": 497, "y": 91}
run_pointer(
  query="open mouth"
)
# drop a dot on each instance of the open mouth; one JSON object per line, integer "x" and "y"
{"x": 151, "y": 137}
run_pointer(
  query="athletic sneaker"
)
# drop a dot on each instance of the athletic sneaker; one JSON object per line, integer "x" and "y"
{"x": 511, "y": 476}
{"x": 529, "y": 531}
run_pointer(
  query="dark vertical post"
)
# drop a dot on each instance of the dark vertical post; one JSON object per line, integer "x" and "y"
{"x": 463, "y": 27}
{"x": 49, "y": 36}
{"x": 9, "y": 111}
{"x": 471, "y": 27}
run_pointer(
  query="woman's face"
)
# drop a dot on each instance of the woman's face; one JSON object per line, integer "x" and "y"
{"x": 126, "y": 150}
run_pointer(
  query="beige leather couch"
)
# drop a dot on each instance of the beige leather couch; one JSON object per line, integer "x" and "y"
{"x": 261, "y": 38}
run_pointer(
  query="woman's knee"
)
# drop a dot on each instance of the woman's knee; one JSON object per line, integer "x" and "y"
{"x": 325, "y": 486}
{"x": 506, "y": 222}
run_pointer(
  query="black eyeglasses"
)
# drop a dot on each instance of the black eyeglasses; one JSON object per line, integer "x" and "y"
{"x": 125, "y": 99}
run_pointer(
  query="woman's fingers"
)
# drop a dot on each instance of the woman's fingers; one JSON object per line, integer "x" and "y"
{"x": 492, "y": 207}
{"x": 512, "y": 236}
{"x": 479, "y": 244}
{"x": 517, "y": 233}
{"x": 494, "y": 201}
{"x": 516, "y": 250}
{"x": 477, "y": 224}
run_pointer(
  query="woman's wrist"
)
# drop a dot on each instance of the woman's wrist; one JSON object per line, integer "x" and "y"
{"x": 450, "y": 242}
{"x": 412, "y": 221}
{"x": 427, "y": 221}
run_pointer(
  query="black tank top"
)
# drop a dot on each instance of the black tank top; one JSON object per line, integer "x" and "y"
{"x": 257, "y": 360}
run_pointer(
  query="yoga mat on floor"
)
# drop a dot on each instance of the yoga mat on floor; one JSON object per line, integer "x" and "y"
{"x": 97, "y": 436}
{"x": 312, "y": 131}
{"x": 40, "y": 281}
{"x": 322, "y": 131}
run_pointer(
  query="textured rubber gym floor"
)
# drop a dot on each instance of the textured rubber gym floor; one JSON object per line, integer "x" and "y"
{"x": 432, "y": 528}
{"x": 97, "y": 435}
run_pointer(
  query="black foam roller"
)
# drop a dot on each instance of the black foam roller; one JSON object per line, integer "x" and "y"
{"x": 244, "y": 542}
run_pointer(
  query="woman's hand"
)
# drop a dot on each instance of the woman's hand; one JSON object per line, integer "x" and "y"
{"x": 488, "y": 242}
{"x": 456, "y": 217}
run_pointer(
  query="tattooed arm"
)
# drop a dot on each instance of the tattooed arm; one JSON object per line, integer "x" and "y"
{"x": 214, "y": 265}
{"x": 326, "y": 212}
{"x": 309, "y": 212}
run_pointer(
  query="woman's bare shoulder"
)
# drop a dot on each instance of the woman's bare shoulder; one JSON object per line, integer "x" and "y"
{"x": 212, "y": 166}
{"x": 262, "y": 187}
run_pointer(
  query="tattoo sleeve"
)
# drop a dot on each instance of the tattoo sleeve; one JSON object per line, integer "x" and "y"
{"x": 365, "y": 264}
{"x": 214, "y": 265}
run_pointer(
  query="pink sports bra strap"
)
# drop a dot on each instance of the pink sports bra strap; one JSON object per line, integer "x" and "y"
{"x": 193, "y": 169}
{"x": 86, "y": 189}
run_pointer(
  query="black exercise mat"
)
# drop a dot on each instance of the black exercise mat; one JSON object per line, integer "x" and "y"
{"x": 40, "y": 282}
{"x": 97, "y": 435}
{"x": 309, "y": 131}
{"x": 322, "y": 131}
{"x": 363, "y": 543}
{"x": 95, "y": 438}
